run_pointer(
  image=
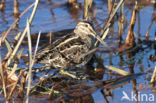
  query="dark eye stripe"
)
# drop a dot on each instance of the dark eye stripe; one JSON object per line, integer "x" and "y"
{"x": 86, "y": 25}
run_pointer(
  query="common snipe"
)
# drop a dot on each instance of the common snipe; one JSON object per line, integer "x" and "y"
{"x": 68, "y": 50}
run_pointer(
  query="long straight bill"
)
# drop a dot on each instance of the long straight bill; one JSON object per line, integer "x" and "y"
{"x": 101, "y": 41}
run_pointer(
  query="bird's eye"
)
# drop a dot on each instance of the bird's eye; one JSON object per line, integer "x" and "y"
{"x": 86, "y": 25}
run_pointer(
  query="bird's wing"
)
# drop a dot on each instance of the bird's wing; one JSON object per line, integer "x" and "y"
{"x": 49, "y": 50}
{"x": 73, "y": 50}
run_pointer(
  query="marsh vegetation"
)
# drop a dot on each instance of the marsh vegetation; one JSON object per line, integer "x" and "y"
{"x": 126, "y": 64}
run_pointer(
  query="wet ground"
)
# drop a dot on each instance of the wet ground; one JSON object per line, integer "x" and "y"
{"x": 54, "y": 16}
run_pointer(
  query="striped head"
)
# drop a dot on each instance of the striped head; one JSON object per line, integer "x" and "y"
{"x": 84, "y": 29}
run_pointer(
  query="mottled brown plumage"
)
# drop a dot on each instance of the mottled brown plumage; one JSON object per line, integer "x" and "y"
{"x": 66, "y": 51}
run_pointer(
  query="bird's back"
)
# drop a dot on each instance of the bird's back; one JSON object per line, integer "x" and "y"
{"x": 65, "y": 52}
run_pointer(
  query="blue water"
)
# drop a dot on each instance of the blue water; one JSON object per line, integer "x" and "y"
{"x": 62, "y": 18}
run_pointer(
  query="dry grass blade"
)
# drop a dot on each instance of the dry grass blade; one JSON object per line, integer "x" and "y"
{"x": 16, "y": 63}
{"x": 24, "y": 33}
{"x": 130, "y": 39}
{"x": 31, "y": 65}
{"x": 50, "y": 38}
{"x": 105, "y": 34}
{"x": 118, "y": 82}
{"x": 121, "y": 72}
{"x": 37, "y": 43}
{"x": 154, "y": 75}
{"x": 16, "y": 21}
{"x": 72, "y": 1}
{"x": 30, "y": 61}
{"x": 8, "y": 45}
{"x": 2, "y": 5}
{"x": 87, "y": 5}
{"x": 16, "y": 8}
{"x": 120, "y": 23}
{"x": 14, "y": 86}
{"x": 130, "y": 35}
{"x": 105, "y": 29}
{"x": 2, "y": 78}
{"x": 111, "y": 17}
{"x": 17, "y": 36}
{"x": 22, "y": 86}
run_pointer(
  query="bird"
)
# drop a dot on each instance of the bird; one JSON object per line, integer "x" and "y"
{"x": 71, "y": 50}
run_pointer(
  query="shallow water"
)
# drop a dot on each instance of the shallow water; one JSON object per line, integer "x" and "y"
{"x": 54, "y": 16}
